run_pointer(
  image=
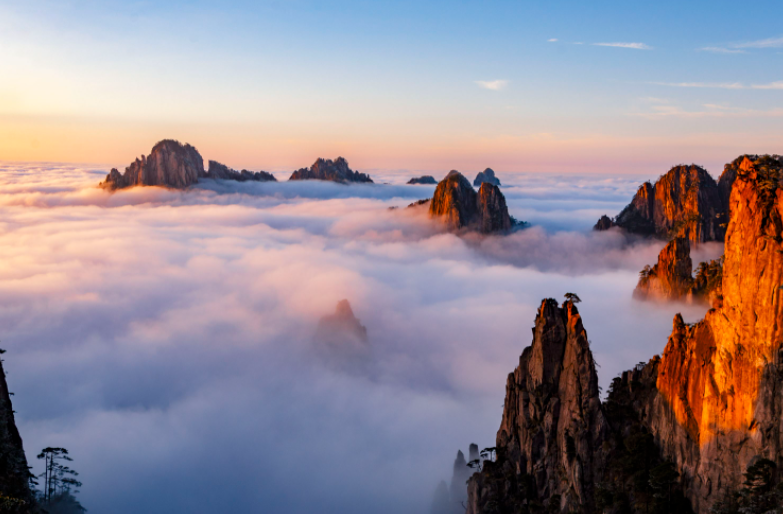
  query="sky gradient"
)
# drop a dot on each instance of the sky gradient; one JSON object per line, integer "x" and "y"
{"x": 518, "y": 86}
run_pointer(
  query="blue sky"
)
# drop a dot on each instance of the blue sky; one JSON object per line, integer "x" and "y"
{"x": 394, "y": 84}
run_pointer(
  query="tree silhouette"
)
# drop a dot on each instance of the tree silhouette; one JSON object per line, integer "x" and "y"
{"x": 572, "y": 297}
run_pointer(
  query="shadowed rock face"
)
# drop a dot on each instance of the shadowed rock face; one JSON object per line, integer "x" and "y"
{"x": 492, "y": 211}
{"x": 13, "y": 464}
{"x": 460, "y": 207}
{"x": 604, "y": 223}
{"x": 488, "y": 176}
{"x": 169, "y": 164}
{"x": 425, "y": 179}
{"x": 685, "y": 202}
{"x": 220, "y": 171}
{"x": 327, "y": 169}
{"x": 553, "y": 424}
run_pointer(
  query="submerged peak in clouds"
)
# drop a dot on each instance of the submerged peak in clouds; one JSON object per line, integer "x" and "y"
{"x": 342, "y": 328}
{"x": 170, "y": 164}
{"x": 488, "y": 175}
{"x": 333, "y": 170}
{"x": 174, "y": 165}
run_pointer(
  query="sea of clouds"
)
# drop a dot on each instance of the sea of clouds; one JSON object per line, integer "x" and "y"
{"x": 166, "y": 337}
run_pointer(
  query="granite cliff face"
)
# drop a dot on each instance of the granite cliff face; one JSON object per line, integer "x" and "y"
{"x": 685, "y": 202}
{"x": 677, "y": 433}
{"x": 549, "y": 446}
{"x": 333, "y": 170}
{"x": 169, "y": 164}
{"x": 220, "y": 171}
{"x": 13, "y": 463}
{"x": 424, "y": 179}
{"x": 488, "y": 176}
{"x": 718, "y": 401}
{"x": 461, "y": 208}
{"x": 671, "y": 278}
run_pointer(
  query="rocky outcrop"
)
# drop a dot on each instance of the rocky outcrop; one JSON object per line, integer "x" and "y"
{"x": 717, "y": 403}
{"x": 174, "y": 165}
{"x": 461, "y": 208}
{"x": 424, "y": 179}
{"x": 670, "y": 278}
{"x": 549, "y": 446}
{"x": 333, "y": 170}
{"x": 685, "y": 202}
{"x": 169, "y": 164}
{"x": 488, "y": 176}
{"x": 342, "y": 328}
{"x": 222, "y": 172}
{"x": 604, "y": 223}
{"x": 14, "y": 488}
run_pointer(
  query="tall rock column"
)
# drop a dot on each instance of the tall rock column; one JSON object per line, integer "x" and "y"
{"x": 553, "y": 424}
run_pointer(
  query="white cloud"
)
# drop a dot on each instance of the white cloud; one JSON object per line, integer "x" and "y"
{"x": 494, "y": 85}
{"x": 722, "y": 85}
{"x": 635, "y": 46}
{"x": 713, "y": 111}
{"x": 182, "y": 322}
{"x": 553, "y": 40}
{"x": 720, "y": 50}
{"x": 776, "y": 42}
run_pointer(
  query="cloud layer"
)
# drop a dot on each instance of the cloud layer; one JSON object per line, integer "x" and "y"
{"x": 166, "y": 338}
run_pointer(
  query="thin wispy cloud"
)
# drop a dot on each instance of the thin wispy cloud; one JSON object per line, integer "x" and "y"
{"x": 635, "y": 46}
{"x": 553, "y": 40}
{"x": 720, "y": 50}
{"x": 494, "y": 85}
{"x": 773, "y": 42}
{"x": 722, "y": 85}
{"x": 711, "y": 111}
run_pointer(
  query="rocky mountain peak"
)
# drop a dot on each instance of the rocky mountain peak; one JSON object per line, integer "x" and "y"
{"x": 217, "y": 170}
{"x": 342, "y": 328}
{"x": 670, "y": 278}
{"x": 460, "y": 207}
{"x": 686, "y": 201}
{"x": 424, "y": 179}
{"x": 332, "y": 170}
{"x": 13, "y": 463}
{"x": 553, "y": 424}
{"x": 488, "y": 176}
{"x": 169, "y": 164}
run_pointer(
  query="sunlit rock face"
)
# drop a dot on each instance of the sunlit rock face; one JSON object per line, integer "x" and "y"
{"x": 223, "y": 172}
{"x": 169, "y": 164}
{"x": 685, "y": 202}
{"x": 719, "y": 402}
{"x": 553, "y": 425}
{"x": 333, "y": 170}
{"x": 458, "y": 205}
{"x": 13, "y": 464}
{"x": 670, "y": 278}
{"x": 488, "y": 176}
